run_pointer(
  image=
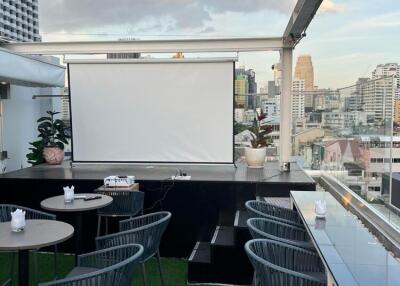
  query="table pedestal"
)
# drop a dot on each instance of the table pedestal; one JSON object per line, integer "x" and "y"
{"x": 78, "y": 235}
{"x": 23, "y": 263}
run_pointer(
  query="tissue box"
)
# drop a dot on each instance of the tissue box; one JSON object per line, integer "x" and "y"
{"x": 119, "y": 181}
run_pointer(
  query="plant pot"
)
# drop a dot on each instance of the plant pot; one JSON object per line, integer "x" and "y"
{"x": 53, "y": 155}
{"x": 255, "y": 157}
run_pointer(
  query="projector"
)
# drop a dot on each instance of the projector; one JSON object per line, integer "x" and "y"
{"x": 119, "y": 181}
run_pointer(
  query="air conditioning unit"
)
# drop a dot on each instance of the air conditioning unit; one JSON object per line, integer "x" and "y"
{"x": 4, "y": 90}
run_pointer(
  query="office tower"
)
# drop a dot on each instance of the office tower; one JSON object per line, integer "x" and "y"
{"x": 19, "y": 21}
{"x": 251, "y": 80}
{"x": 241, "y": 90}
{"x": 304, "y": 70}
{"x": 245, "y": 87}
{"x": 277, "y": 68}
{"x": 298, "y": 99}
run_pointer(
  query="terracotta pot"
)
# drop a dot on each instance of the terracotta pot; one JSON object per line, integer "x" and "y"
{"x": 53, "y": 155}
{"x": 255, "y": 157}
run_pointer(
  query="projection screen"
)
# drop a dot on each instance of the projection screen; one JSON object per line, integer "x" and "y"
{"x": 158, "y": 111}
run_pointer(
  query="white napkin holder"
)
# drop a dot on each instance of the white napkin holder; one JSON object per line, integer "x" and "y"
{"x": 69, "y": 194}
{"x": 320, "y": 209}
{"x": 18, "y": 220}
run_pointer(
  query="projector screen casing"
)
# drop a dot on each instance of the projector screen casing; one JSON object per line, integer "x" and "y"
{"x": 152, "y": 111}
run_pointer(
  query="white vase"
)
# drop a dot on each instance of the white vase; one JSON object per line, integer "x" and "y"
{"x": 255, "y": 157}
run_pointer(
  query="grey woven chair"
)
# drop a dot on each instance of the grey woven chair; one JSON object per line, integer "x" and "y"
{"x": 266, "y": 210}
{"x": 125, "y": 204}
{"x": 145, "y": 230}
{"x": 7, "y": 283}
{"x": 281, "y": 264}
{"x": 5, "y": 215}
{"x": 279, "y": 231}
{"x": 108, "y": 267}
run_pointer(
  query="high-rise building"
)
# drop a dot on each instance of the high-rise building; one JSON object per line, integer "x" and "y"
{"x": 396, "y": 108}
{"x": 383, "y": 70}
{"x": 251, "y": 80}
{"x": 379, "y": 93}
{"x": 19, "y": 20}
{"x": 269, "y": 108}
{"x": 241, "y": 90}
{"x": 277, "y": 68}
{"x": 298, "y": 99}
{"x": 304, "y": 70}
{"x": 377, "y": 98}
{"x": 245, "y": 87}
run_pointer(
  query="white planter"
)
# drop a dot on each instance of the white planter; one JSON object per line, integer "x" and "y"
{"x": 255, "y": 157}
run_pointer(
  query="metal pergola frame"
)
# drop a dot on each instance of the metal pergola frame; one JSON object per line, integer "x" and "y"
{"x": 300, "y": 19}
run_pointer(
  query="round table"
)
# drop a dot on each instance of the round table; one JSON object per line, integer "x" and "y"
{"x": 78, "y": 206}
{"x": 37, "y": 234}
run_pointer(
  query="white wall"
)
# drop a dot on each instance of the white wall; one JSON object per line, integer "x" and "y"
{"x": 20, "y": 113}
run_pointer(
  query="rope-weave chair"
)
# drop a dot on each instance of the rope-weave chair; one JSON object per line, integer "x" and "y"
{"x": 5, "y": 215}
{"x": 146, "y": 230}
{"x": 125, "y": 204}
{"x": 111, "y": 266}
{"x": 279, "y": 231}
{"x": 266, "y": 210}
{"x": 280, "y": 264}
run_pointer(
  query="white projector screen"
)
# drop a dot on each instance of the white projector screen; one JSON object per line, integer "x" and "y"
{"x": 166, "y": 111}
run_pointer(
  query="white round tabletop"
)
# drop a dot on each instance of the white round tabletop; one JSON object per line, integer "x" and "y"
{"x": 58, "y": 204}
{"x": 37, "y": 234}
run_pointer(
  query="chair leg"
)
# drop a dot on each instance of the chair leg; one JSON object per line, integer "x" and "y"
{"x": 159, "y": 268}
{"x": 106, "y": 218}
{"x": 55, "y": 262}
{"x": 35, "y": 268}
{"x": 98, "y": 224}
{"x": 144, "y": 274}
{"x": 13, "y": 255}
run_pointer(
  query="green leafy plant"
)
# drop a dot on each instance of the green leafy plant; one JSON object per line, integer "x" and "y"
{"x": 259, "y": 132}
{"x": 35, "y": 157}
{"x": 52, "y": 133}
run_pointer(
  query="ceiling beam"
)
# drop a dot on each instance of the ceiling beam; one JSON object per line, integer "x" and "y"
{"x": 148, "y": 46}
{"x": 302, "y": 15}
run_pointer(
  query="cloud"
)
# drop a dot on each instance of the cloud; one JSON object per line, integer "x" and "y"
{"x": 328, "y": 6}
{"x": 386, "y": 22}
{"x": 95, "y": 15}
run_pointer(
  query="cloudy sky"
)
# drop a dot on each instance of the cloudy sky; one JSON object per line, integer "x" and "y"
{"x": 346, "y": 39}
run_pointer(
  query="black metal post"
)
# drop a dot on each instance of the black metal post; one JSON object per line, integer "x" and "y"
{"x": 78, "y": 234}
{"x": 23, "y": 263}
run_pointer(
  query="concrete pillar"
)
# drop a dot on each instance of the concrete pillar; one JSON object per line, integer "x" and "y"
{"x": 285, "y": 140}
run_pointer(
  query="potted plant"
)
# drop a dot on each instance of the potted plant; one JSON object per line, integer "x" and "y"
{"x": 259, "y": 141}
{"x": 53, "y": 134}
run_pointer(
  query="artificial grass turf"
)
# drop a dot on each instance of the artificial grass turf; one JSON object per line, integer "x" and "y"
{"x": 174, "y": 269}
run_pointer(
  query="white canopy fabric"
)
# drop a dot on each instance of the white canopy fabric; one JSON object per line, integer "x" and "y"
{"x": 29, "y": 71}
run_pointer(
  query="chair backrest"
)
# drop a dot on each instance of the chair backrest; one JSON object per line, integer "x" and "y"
{"x": 116, "y": 267}
{"x": 279, "y": 231}
{"x": 125, "y": 203}
{"x": 6, "y": 209}
{"x": 145, "y": 230}
{"x": 281, "y": 264}
{"x": 266, "y": 210}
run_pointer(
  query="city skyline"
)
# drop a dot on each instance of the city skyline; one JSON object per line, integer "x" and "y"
{"x": 347, "y": 39}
